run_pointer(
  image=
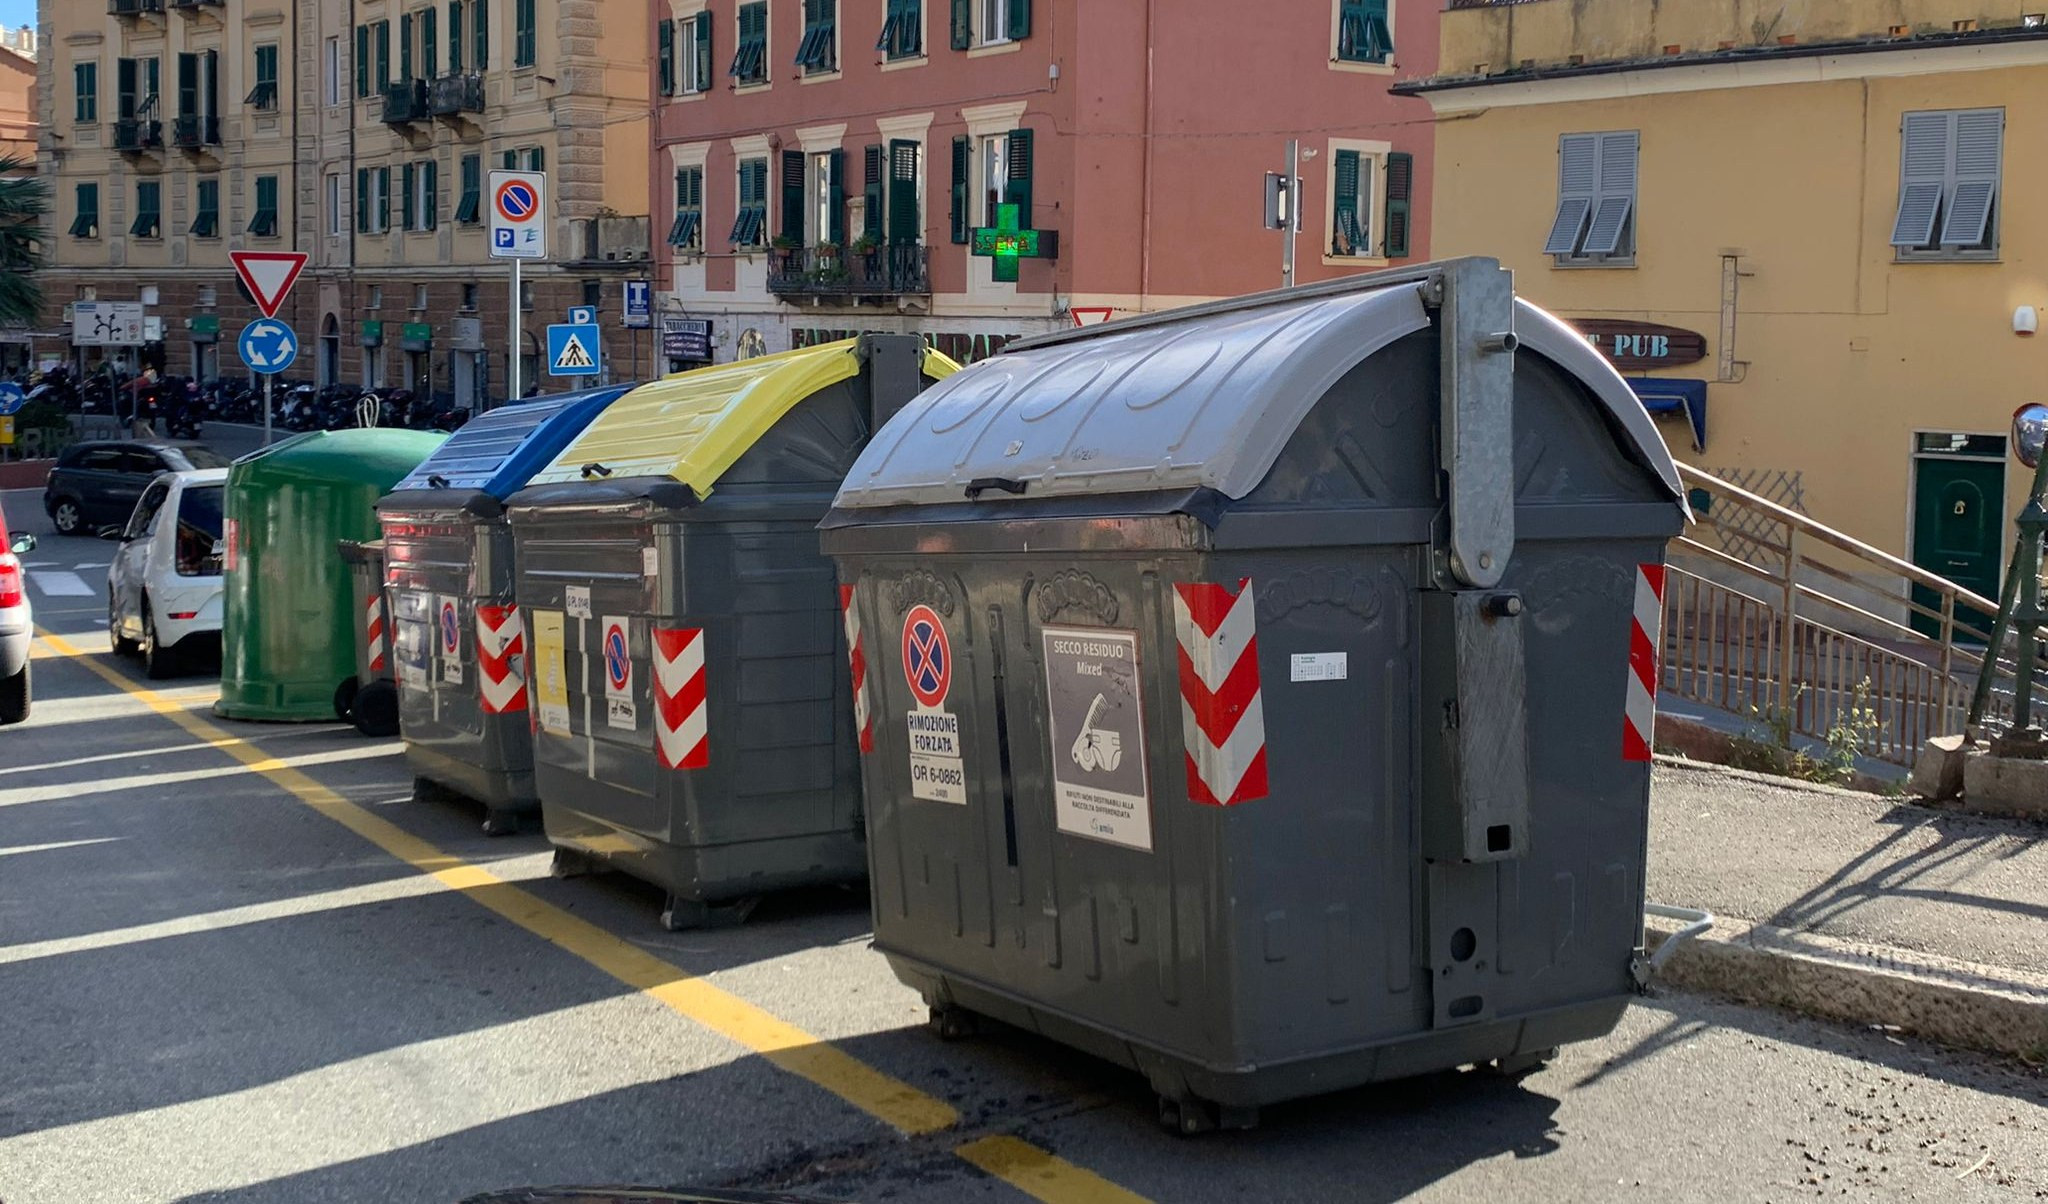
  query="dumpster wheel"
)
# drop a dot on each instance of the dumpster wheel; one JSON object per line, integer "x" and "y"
{"x": 568, "y": 863}
{"x": 1187, "y": 1115}
{"x": 682, "y": 915}
{"x": 1521, "y": 1065}
{"x": 951, "y": 1023}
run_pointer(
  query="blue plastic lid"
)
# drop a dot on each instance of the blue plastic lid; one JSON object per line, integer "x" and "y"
{"x": 497, "y": 452}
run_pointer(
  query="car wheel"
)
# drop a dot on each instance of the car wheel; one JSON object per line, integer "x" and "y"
{"x": 158, "y": 662}
{"x": 67, "y": 517}
{"x": 14, "y": 697}
{"x": 122, "y": 645}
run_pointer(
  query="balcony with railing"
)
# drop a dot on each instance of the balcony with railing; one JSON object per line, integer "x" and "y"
{"x": 194, "y": 132}
{"x": 405, "y": 102}
{"x": 835, "y": 273}
{"x": 190, "y": 7}
{"x": 454, "y": 95}
{"x": 133, "y": 8}
{"x": 134, "y": 135}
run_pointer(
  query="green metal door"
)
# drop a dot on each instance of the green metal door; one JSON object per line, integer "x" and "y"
{"x": 1958, "y": 521}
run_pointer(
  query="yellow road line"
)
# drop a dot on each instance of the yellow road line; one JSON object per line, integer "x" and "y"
{"x": 1036, "y": 1172}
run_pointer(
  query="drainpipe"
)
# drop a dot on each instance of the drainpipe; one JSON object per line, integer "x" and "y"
{"x": 1145, "y": 211}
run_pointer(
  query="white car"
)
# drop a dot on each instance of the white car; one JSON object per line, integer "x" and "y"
{"x": 164, "y": 587}
{"x": 17, "y": 626}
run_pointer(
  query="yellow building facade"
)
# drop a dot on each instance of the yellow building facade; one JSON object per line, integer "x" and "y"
{"x": 1836, "y": 198}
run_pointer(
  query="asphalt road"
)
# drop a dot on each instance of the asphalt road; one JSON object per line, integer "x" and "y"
{"x": 218, "y": 982}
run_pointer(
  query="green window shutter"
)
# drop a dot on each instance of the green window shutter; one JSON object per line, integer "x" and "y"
{"x": 405, "y": 48}
{"x": 665, "y": 55}
{"x": 1020, "y": 20}
{"x": 430, "y": 42}
{"x": 511, "y": 160}
{"x": 481, "y": 10}
{"x": 408, "y": 212}
{"x": 124, "y": 89}
{"x": 1345, "y": 236}
{"x": 963, "y": 156}
{"x": 1400, "y": 193}
{"x": 1017, "y": 189}
{"x": 362, "y": 60}
{"x": 455, "y": 37}
{"x": 431, "y": 196}
{"x": 524, "y": 33}
{"x": 363, "y": 200}
{"x": 703, "y": 23}
{"x": 744, "y": 214}
{"x": 536, "y": 159}
{"x": 383, "y": 55}
{"x": 793, "y": 195}
{"x": 871, "y": 193}
{"x": 470, "y": 206}
{"x": 906, "y": 227}
{"x": 87, "y": 222}
{"x": 835, "y": 197}
{"x": 384, "y": 205}
{"x": 963, "y": 24}
{"x": 188, "y": 85}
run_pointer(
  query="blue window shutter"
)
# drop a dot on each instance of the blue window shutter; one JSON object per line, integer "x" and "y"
{"x": 1578, "y": 179}
{"x": 1977, "y": 150}
{"x": 1616, "y": 192}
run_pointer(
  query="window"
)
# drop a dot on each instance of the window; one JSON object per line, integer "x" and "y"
{"x": 206, "y": 210}
{"x": 687, "y": 231}
{"x": 424, "y": 187}
{"x": 1363, "y": 32}
{"x": 828, "y": 197}
{"x": 86, "y": 223}
{"x": 330, "y": 71}
{"x": 990, "y": 22}
{"x": 480, "y": 25}
{"x": 593, "y": 293}
{"x": 996, "y": 173}
{"x": 373, "y": 199}
{"x": 469, "y": 297}
{"x": 469, "y": 209}
{"x": 85, "y": 83}
{"x": 902, "y": 30}
{"x": 136, "y": 84}
{"x": 376, "y": 296}
{"x": 665, "y": 55}
{"x": 750, "y": 226}
{"x": 149, "y": 202}
{"x": 334, "y": 226}
{"x": 264, "y": 95}
{"x": 818, "y": 53}
{"x": 693, "y": 54}
{"x": 1353, "y": 175}
{"x": 209, "y": 296}
{"x": 1949, "y": 164}
{"x": 531, "y": 158}
{"x": 263, "y": 222}
{"x": 455, "y": 37}
{"x": 523, "y": 33}
{"x": 750, "y": 58}
{"x": 419, "y": 296}
{"x": 199, "y": 98}
{"x": 1596, "y": 198}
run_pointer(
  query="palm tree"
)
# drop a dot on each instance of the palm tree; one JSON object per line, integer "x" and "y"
{"x": 24, "y": 203}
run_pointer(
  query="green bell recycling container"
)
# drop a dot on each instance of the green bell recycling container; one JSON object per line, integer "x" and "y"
{"x": 288, "y": 640}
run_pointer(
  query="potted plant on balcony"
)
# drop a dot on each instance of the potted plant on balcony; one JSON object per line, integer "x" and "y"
{"x": 868, "y": 250}
{"x": 830, "y": 267}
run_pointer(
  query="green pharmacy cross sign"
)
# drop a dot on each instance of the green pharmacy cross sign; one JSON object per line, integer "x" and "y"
{"x": 1005, "y": 243}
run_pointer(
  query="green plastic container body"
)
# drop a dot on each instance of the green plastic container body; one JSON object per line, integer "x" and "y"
{"x": 288, "y": 638}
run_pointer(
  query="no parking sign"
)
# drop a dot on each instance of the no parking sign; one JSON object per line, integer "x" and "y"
{"x": 616, "y": 651}
{"x": 938, "y": 770}
{"x": 519, "y": 215}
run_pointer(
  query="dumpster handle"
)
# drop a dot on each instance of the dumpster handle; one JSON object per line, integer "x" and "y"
{"x": 1696, "y": 920}
{"x": 1006, "y": 484}
{"x": 595, "y": 470}
{"x": 436, "y": 481}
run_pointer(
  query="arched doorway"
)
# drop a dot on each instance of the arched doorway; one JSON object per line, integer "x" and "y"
{"x": 330, "y": 350}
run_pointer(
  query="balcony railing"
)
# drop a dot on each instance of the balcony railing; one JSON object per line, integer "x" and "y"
{"x": 130, "y": 8}
{"x": 192, "y": 132}
{"x": 405, "y": 102}
{"x": 845, "y": 272}
{"x": 454, "y": 95}
{"x": 137, "y": 134}
{"x": 193, "y": 6}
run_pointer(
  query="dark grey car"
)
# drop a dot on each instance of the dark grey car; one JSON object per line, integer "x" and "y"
{"x": 95, "y": 484}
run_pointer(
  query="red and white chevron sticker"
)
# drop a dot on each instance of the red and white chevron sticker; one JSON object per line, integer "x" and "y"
{"x": 682, "y": 731}
{"x": 1222, "y": 713}
{"x": 1646, "y": 630}
{"x": 501, "y": 659}
{"x": 373, "y": 627}
{"x": 857, "y": 658}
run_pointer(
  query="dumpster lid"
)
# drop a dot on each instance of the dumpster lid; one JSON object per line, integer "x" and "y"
{"x": 1207, "y": 399}
{"x": 692, "y": 426}
{"x": 497, "y": 451}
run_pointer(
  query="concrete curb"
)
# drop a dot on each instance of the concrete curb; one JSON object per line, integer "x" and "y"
{"x": 1688, "y": 764}
{"x": 1957, "y": 1003}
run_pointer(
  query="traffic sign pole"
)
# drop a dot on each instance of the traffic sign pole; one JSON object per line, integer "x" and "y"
{"x": 267, "y": 378}
{"x": 512, "y": 348}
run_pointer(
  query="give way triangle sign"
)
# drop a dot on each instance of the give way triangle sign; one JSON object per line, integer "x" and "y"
{"x": 269, "y": 276}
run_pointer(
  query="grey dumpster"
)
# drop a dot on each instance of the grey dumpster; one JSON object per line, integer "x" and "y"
{"x": 369, "y": 700}
{"x": 1249, "y": 686}
{"x": 462, "y": 691}
{"x": 693, "y": 725}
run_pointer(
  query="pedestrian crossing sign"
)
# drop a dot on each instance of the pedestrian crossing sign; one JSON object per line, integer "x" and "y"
{"x": 573, "y": 350}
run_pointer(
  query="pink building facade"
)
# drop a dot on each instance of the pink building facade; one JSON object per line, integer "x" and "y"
{"x": 823, "y": 166}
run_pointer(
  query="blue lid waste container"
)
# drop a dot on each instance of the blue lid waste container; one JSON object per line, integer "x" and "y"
{"x": 1250, "y": 686}
{"x": 693, "y": 723}
{"x": 460, "y": 647}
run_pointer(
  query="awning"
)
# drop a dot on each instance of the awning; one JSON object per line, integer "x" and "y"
{"x": 1663, "y": 395}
